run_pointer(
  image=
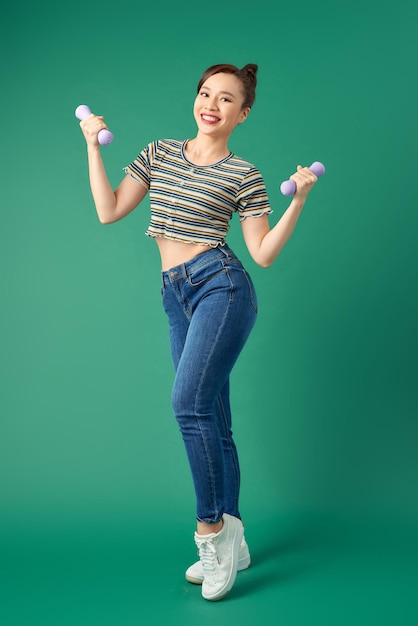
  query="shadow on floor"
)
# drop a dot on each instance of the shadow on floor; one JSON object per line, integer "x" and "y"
{"x": 285, "y": 550}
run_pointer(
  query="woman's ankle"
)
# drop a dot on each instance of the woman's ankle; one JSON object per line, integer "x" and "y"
{"x": 207, "y": 529}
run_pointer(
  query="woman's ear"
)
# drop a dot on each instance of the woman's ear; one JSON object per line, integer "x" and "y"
{"x": 244, "y": 114}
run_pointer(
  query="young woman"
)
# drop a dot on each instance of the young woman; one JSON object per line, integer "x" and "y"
{"x": 195, "y": 186}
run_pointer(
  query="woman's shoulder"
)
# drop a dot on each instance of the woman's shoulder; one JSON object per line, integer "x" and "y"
{"x": 175, "y": 144}
{"x": 158, "y": 149}
{"x": 241, "y": 164}
{"x": 166, "y": 147}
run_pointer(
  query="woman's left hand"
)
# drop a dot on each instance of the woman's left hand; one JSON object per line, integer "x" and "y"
{"x": 305, "y": 180}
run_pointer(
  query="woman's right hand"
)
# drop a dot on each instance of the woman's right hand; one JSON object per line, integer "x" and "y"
{"x": 90, "y": 128}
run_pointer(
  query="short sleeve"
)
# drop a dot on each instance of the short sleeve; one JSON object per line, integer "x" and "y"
{"x": 252, "y": 196}
{"x": 140, "y": 168}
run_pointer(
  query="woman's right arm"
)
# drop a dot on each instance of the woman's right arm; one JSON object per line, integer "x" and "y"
{"x": 111, "y": 206}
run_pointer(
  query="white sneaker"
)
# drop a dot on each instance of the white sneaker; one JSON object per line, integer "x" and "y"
{"x": 218, "y": 554}
{"x": 194, "y": 574}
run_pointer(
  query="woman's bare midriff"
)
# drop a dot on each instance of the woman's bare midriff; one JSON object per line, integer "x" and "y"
{"x": 176, "y": 252}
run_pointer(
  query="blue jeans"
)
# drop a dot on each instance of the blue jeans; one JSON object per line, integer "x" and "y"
{"x": 211, "y": 305}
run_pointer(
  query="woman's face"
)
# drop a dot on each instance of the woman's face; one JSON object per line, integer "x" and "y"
{"x": 218, "y": 105}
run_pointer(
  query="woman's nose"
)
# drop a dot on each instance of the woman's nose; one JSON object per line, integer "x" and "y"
{"x": 211, "y": 103}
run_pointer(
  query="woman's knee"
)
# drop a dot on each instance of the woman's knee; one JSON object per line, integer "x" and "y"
{"x": 188, "y": 399}
{"x": 183, "y": 399}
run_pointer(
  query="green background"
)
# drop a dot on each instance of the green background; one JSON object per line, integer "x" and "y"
{"x": 96, "y": 501}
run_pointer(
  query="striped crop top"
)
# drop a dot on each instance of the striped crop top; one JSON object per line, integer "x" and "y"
{"x": 194, "y": 203}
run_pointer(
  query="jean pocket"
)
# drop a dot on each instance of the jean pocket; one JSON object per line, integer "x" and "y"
{"x": 207, "y": 272}
{"x": 241, "y": 281}
{"x": 253, "y": 293}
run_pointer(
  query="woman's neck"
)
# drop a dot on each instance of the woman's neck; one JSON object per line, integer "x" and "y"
{"x": 206, "y": 150}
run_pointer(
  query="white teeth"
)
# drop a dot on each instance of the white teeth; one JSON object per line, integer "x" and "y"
{"x": 209, "y": 118}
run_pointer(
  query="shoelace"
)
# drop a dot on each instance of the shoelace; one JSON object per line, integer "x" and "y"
{"x": 207, "y": 555}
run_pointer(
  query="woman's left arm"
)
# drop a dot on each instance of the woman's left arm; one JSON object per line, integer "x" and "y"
{"x": 265, "y": 243}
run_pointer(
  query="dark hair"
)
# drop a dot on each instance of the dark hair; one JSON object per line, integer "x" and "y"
{"x": 247, "y": 76}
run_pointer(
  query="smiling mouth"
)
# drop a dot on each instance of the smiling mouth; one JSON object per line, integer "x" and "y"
{"x": 209, "y": 119}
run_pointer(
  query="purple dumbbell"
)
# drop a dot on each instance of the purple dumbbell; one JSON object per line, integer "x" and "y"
{"x": 104, "y": 136}
{"x": 288, "y": 187}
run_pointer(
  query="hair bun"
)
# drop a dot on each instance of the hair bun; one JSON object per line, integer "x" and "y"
{"x": 251, "y": 68}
